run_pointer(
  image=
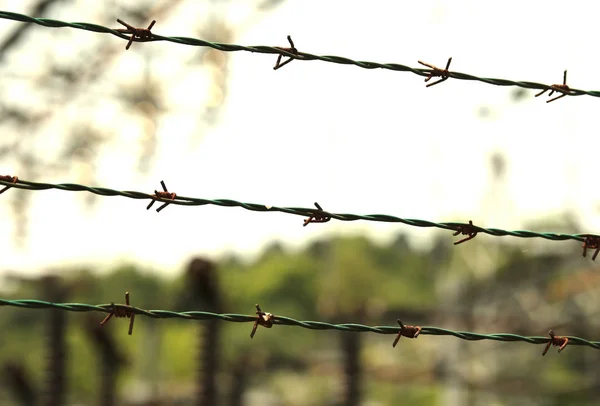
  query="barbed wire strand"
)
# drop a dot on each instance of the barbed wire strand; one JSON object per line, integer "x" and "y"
{"x": 299, "y": 211}
{"x": 286, "y": 321}
{"x": 301, "y": 56}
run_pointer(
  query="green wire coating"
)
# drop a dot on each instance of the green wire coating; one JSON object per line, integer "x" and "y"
{"x": 287, "y": 321}
{"x": 46, "y": 22}
{"x": 306, "y": 212}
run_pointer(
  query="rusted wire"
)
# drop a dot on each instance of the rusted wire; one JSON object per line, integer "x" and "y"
{"x": 139, "y": 34}
{"x": 165, "y": 194}
{"x": 121, "y": 311}
{"x": 560, "y": 88}
{"x": 556, "y": 341}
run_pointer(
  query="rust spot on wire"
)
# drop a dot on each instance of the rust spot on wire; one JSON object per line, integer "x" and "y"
{"x": 292, "y": 49}
{"x": 121, "y": 311}
{"x": 317, "y": 218}
{"x": 165, "y": 194}
{"x": 141, "y": 34}
{"x": 264, "y": 319}
{"x": 8, "y": 178}
{"x": 560, "y": 88}
{"x": 407, "y": 331}
{"x": 556, "y": 341}
{"x": 437, "y": 72}
{"x": 467, "y": 229}
{"x": 591, "y": 242}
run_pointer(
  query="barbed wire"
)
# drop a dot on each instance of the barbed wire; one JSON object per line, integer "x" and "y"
{"x": 144, "y": 35}
{"x": 288, "y": 321}
{"x": 314, "y": 215}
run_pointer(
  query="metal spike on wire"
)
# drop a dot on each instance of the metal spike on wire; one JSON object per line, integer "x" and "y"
{"x": 563, "y": 89}
{"x": 47, "y": 22}
{"x": 322, "y": 216}
{"x": 139, "y": 34}
{"x": 409, "y": 331}
{"x": 7, "y": 178}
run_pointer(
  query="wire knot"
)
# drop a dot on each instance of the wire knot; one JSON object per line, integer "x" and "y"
{"x": 8, "y": 178}
{"x": 556, "y": 341}
{"x": 165, "y": 194}
{"x": 406, "y": 331}
{"x": 141, "y": 34}
{"x": 466, "y": 229}
{"x": 264, "y": 319}
{"x": 591, "y": 242}
{"x": 317, "y": 217}
{"x": 121, "y": 311}
{"x": 560, "y": 88}
{"x": 437, "y": 72}
{"x": 292, "y": 49}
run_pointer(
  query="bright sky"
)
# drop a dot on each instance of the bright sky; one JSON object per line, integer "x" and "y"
{"x": 355, "y": 140}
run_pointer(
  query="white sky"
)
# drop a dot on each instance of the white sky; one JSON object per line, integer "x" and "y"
{"x": 355, "y": 140}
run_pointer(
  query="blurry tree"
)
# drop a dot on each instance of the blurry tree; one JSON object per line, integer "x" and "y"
{"x": 56, "y": 127}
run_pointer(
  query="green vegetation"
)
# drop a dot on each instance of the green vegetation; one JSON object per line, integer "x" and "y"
{"x": 341, "y": 280}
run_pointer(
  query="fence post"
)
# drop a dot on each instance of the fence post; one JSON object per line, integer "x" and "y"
{"x": 20, "y": 383}
{"x": 110, "y": 360}
{"x": 203, "y": 287}
{"x": 57, "y": 324}
{"x": 351, "y": 346}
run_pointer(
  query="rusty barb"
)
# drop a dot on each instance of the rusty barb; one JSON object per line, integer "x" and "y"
{"x": 140, "y": 34}
{"x": 264, "y": 319}
{"x": 437, "y": 72}
{"x": 121, "y": 311}
{"x": 591, "y": 242}
{"x": 317, "y": 218}
{"x": 560, "y": 88}
{"x": 292, "y": 50}
{"x": 8, "y": 178}
{"x": 406, "y": 331}
{"x": 165, "y": 194}
{"x": 556, "y": 341}
{"x": 466, "y": 229}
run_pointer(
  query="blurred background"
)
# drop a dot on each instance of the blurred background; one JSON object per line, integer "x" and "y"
{"x": 75, "y": 107}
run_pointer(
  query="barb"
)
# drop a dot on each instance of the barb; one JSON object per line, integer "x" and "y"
{"x": 435, "y": 71}
{"x": 560, "y": 88}
{"x": 141, "y": 34}
{"x": 468, "y": 229}
{"x": 288, "y": 321}
{"x": 46, "y": 22}
{"x": 165, "y": 194}
{"x": 556, "y": 341}
{"x": 591, "y": 242}
{"x": 7, "y": 178}
{"x": 319, "y": 217}
{"x": 298, "y": 211}
{"x": 264, "y": 319}
{"x": 292, "y": 50}
{"x": 406, "y": 331}
{"x": 121, "y": 311}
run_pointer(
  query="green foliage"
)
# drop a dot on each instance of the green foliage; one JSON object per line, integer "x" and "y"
{"x": 341, "y": 280}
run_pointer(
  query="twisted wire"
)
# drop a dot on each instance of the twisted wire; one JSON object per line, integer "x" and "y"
{"x": 287, "y": 321}
{"x": 299, "y": 211}
{"x": 303, "y": 56}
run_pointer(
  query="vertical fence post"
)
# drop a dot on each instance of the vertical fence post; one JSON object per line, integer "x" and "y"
{"x": 20, "y": 383}
{"x": 239, "y": 380}
{"x": 353, "y": 367}
{"x": 203, "y": 286}
{"x": 110, "y": 360}
{"x": 57, "y": 324}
